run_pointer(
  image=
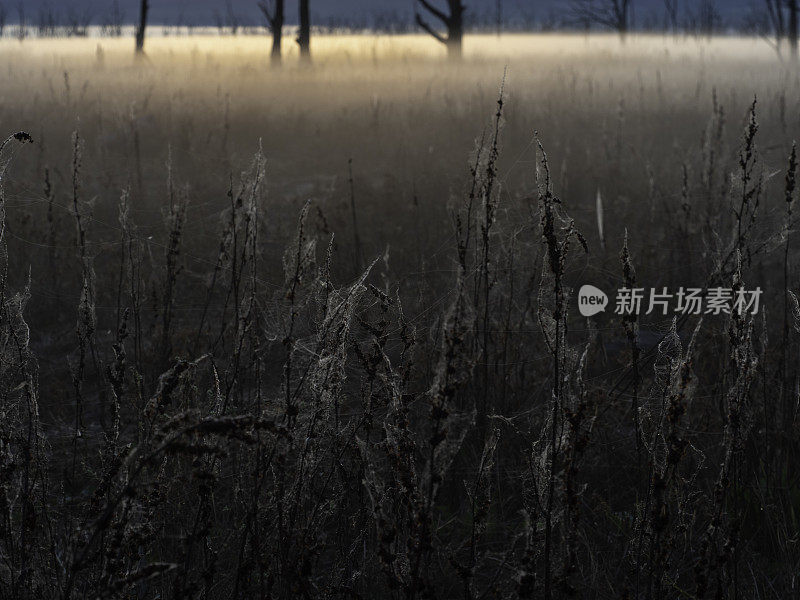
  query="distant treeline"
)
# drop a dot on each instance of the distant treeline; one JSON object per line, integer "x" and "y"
{"x": 700, "y": 17}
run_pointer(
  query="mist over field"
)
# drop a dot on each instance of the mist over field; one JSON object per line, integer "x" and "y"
{"x": 353, "y": 323}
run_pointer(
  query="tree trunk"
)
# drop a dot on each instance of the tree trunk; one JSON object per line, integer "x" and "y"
{"x": 623, "y": 19}
{"x": 277, "y": 32}
{"x": 304, "y": 35}
{"x": 455, "y": 30}
{"x": 454, "y": 44}
{"x": 793, "y": 27}
{"x": 145, "y": 5}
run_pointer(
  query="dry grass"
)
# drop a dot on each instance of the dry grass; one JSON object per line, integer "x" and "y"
{"x": 311, "y": 332}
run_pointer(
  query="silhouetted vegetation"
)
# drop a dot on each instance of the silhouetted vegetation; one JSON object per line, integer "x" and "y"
{"x": 312, "y": 333}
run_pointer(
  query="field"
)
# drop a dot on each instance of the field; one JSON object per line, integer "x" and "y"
{"x": 313, "y": 332}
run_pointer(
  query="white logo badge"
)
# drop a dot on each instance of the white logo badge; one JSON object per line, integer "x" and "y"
{"x": 591, "y": 300}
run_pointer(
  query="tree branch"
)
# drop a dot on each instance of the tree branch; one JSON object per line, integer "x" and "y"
{"x": 435, "y": 12}
{"x": 267, "y": 14}
{"x": 775, "y": 15}
{"x": 430, "y": 29}
{"x": 584, "y": 11}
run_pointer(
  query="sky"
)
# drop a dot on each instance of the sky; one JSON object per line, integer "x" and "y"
{"x": 202, "y": 12}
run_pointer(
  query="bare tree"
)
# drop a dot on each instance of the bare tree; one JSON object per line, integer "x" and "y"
{"x": 615, "y": 14}
{"x": 117, "y": 18}
{"x": 112, "y": 23}
{"x": 792, "y": 7}
{"x": 140, "y": 31}
{"x": 775, "y": 14}
{"x": 454, "y": 22}
{"x": 233, "y": 18}
{"x": 304, "y": 33}
{"x": 22, "y": 27}
{"x": 226, "y": 19}
{"x": 46, "y": 22}
{"x": 707, "y": 18}
{"x": 274, "y": 15}
{"x": 782, "y": 19}
{"x": 671, "y": 7}
{"x": 180, "y": 21}
{"x": 78, "y": 22}
{"x": 219, "y": 21}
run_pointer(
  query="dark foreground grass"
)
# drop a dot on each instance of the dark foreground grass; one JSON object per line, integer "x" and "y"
{"x": 386, "y": 391}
